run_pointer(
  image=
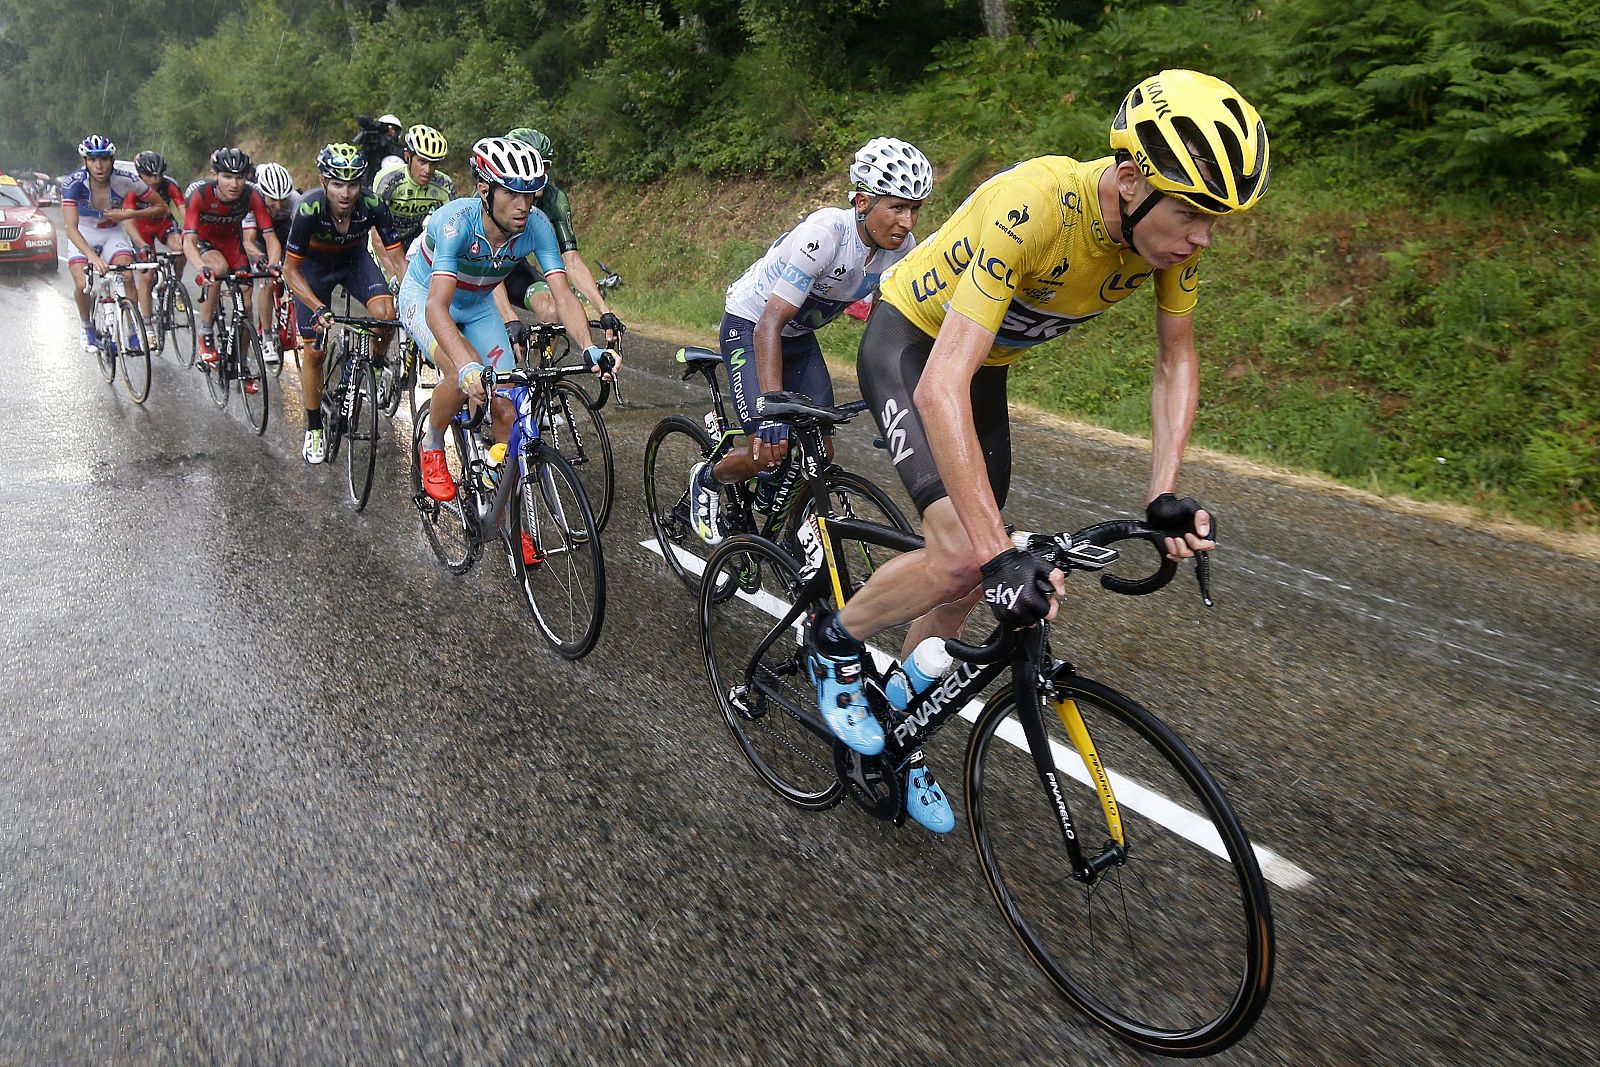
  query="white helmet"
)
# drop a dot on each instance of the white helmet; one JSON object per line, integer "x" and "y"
{"x": 888, "y": 166}
{"x": 509, "y": 164}
{"x": 390, "y": 120}
{"x": 274, "y": 180}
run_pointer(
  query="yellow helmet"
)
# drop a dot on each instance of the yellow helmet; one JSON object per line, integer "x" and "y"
{"x": 427, "y": 142}
{"x": 1194, "y": 137}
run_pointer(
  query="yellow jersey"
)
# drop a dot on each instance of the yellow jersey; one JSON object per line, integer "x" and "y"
{"x": 1027, "y": 256}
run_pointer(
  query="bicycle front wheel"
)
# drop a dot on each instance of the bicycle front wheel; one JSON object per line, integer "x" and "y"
{"x": 577, "y": 431}
{"x": 565, "y": 582}
{"x": 218, "y": 373}
{"x": 1169, "y": 946}
{"x": 252, "y": 374}
{"x": 361, "y": 432}
{"x": 134, "y": 351}
{"x": 755, "y": 662}
{"x": 447, "y": 526}
{"x": 675, "y": 446}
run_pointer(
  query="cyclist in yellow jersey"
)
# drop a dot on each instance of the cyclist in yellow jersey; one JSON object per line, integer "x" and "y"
{"x": 1033, "y": 251}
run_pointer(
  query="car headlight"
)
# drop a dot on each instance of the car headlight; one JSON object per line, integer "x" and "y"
{"x": 39, "y": 228}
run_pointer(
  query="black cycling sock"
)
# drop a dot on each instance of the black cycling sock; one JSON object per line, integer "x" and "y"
{"x": 832, "y": 639}
{"x": 313, "y": 418}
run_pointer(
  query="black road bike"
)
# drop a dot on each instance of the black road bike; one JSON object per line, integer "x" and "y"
{"x": 350, "y": 401}
{"x": 1112, "y": 853}
{"x": 776, "y": 511}
{"x": 239, "y": 350}
{"x": 569, "y": 416}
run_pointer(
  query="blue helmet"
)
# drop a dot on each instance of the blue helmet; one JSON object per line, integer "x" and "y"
{"x": 97, "y": 146}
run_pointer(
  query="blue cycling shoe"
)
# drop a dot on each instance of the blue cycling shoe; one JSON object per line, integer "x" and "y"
{"x": 844, "y": 705}
{"x": 926, "y": 803}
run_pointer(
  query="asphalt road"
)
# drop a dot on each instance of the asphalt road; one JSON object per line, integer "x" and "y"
{"x": 279, "y": 789}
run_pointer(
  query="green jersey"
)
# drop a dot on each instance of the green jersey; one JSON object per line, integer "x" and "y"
{"x": 410, "y": 203}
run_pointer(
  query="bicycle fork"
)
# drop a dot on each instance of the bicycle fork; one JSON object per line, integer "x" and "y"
{"x": 1027, "y": 655}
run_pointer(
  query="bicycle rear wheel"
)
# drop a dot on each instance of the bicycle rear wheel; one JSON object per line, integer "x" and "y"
{"x": 566, "y": 585}
{"x": 333, "y": 368}
{"x": 106, "y": 353}
{"x": 218, "y": 373}
{"x": 449, "y": 527}
{"x": 1170, "y": 948}
{"x": 578, "y": 432}
{"x": 133, "y": 349}
{"x": 361, "y": 432}
{"x": 252, "y": 371}
{"x": 178, "y": 315}
{"x": 755, "y": 662}
{"x": 160, "y": 331}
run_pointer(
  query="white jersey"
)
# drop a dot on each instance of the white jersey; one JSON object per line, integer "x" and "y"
{"x": 821, "y": 267}
{"x": 78, "y": 190}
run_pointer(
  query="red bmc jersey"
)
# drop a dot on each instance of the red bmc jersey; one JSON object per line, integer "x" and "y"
{"x": 154, "y": 230}
{"x": 220, "y": 223}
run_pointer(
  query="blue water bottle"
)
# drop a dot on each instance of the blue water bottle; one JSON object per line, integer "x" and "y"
{"x": 927, "y": 663}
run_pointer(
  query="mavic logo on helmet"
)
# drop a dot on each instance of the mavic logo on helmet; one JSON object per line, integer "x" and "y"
{"x": 893, "y": 432}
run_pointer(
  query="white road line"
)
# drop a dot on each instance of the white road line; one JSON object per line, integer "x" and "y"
{"x": 1130, "y": 794}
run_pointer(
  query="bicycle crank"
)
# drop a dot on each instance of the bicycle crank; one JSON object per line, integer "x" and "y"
{"x": 872, "y": 783}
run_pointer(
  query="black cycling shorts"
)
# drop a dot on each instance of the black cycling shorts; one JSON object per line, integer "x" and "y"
{"x": 888, "y": 366}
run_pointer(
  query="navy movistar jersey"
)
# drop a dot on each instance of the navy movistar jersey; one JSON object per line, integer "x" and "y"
{"x": 453, "y": 244}
{"x": 313, "y": 232}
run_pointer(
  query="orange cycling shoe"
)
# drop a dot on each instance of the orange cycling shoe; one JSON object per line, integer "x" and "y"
{"x": 436, "y": 480}
{"x": 208, "y": 352}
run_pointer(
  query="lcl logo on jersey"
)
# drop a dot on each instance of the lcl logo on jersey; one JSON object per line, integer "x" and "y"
{"x": 1117, "y": 286}
{"x": 1189, "y": 280}
{"x": 1072, "y": 201}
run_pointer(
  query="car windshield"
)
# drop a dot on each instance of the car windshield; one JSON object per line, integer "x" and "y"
{"x": 12, "y": 196}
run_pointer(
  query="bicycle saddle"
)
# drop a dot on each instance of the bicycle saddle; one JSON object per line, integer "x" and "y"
{"x": 697, "y": 357}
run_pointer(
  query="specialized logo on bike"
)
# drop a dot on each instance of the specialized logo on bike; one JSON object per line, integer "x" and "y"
{"x": 895, "y": 434}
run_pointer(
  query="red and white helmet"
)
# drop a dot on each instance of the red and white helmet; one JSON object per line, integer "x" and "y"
{"x": 511, "y": 165}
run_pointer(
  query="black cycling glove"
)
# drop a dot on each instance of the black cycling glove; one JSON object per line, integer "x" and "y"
{"x": 518, "y": 331}
{"x": 1175, "y": 517}
{"x": 1017, "y": 586}
{"x": 611, "y": 324}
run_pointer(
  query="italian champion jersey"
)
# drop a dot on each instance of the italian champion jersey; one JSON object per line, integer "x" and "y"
{"x": 453, "y": 244}
{"x": 1028, "y": 256}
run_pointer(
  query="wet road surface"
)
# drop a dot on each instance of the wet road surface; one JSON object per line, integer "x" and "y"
{"x": 280, "y": 789}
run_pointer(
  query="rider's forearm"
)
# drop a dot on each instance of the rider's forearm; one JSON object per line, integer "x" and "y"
{"x": 453, "y": 349}
{"x": 1174, "y": 394}
{"x": 191, "y": 252}
{"x": 582, "y": 278}
{"x": 944, "y": 401}
{"x": 296, "y": 281}
{"x": 502, "y": 303}
{"x": 69, "y": 220}
{"x": 769, "y": 343}
{"x": 274, "y": 248}
{"x": 570, "y": 311}
{"x": 394, "y": 259}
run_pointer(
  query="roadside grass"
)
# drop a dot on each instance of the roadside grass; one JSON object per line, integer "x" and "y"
{"x": 1358, "y": 325}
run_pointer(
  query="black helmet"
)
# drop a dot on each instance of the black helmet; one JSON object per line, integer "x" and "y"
{"x": 230, "y": 161}
{"x": 150, "y": 162}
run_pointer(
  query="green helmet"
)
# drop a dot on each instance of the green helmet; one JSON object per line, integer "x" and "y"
{"x": 534, "y": 139}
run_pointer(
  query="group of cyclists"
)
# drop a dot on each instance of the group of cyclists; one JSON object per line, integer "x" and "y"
{"x": 1036, "y": 249}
